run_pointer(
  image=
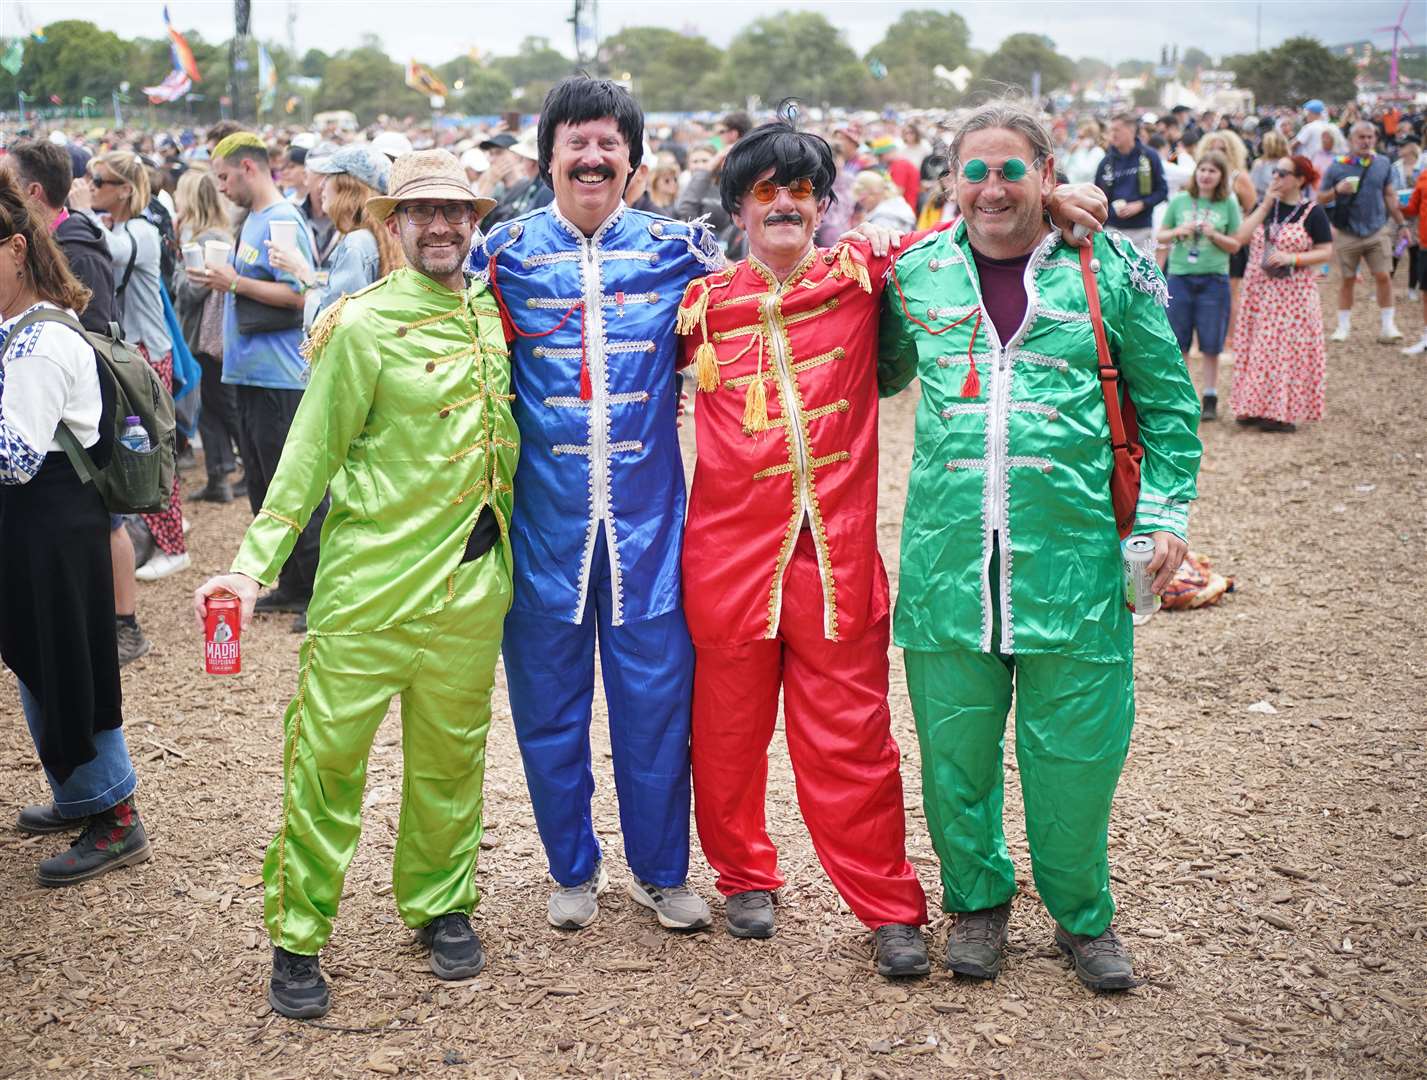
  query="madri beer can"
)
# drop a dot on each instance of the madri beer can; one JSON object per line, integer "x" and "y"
{"x": 222, "y": 624}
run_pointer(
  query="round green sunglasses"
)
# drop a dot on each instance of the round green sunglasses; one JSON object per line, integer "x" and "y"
{"x": 977, "y": 170}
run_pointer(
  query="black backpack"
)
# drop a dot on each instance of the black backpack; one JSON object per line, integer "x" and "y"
{"x": 133, "y": 481}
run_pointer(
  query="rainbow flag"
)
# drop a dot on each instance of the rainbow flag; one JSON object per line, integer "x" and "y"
{"x": 182, "y": 55}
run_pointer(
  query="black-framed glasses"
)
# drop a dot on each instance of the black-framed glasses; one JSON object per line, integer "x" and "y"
{"x": 1284, "y": 172}
{"x": 765, "y": 191}
{"x": 425, "y": 213}
{"x": 1012, "y": 170}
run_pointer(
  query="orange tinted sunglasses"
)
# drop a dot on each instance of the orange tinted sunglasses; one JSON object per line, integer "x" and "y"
{"x": 765, "y": 191}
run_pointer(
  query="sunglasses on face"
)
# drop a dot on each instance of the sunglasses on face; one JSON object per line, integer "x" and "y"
{"x": 765, "y": 191}
{"x": 421, "y": 214}
{"x": 1284, "y": 172}
{"x": 1012, "y": 171}
{"x": 99, "y": 181}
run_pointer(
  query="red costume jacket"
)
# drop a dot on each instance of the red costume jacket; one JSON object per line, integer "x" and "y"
{"x": 805, "y": 352}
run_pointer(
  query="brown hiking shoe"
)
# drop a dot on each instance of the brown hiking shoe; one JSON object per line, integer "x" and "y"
{"x": 1101, "y": 963}
{"x": 977, "y": 942}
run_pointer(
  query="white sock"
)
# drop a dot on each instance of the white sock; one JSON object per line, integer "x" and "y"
{"x": 1344, "y": 317}
{"x": 1387, "y": 319}
{"x": 1209, "y": 391}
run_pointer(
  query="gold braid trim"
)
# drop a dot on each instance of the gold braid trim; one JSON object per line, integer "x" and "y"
{"x": 294, "y": 526}
{"x": 849, "y": 267}
{"x": 691, "y": 315}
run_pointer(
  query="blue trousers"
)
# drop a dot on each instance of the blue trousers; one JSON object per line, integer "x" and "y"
{"x": 648, "y": 670}
{"x": 104, "y": 781}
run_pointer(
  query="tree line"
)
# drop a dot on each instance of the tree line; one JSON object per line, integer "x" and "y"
{"x": 790, "y": 54}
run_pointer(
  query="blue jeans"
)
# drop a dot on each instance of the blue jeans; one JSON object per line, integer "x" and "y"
{"x": 96, "y": 785}
{"x": 1199, "y": 302}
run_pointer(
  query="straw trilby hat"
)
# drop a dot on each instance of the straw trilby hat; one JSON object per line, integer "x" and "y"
{"x": 426, "y": 174}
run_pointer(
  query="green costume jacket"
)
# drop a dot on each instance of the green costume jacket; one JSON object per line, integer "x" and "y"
{"x": 407, "y": 418}
{"x": 1022, "y": 467}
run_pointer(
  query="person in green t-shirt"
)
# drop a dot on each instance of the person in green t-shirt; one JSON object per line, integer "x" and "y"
{"x": 1201, "y": 221}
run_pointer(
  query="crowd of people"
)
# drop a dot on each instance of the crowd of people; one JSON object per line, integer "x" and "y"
{"x": 444, "y": 344}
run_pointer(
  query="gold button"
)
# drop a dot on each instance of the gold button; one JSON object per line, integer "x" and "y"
{"x": 401, "y": 331}
{"x": 431, "y": 366}
{"x": 445, "y": 413}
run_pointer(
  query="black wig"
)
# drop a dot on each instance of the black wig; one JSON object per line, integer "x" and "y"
{"x": 779, "y": 146}
{"x": 577, "y": 99}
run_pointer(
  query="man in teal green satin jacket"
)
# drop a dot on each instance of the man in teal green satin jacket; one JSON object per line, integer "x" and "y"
{"x": 1011, "y": 567}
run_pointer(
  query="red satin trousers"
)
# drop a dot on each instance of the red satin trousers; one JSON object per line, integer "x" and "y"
{"x": 844, "y": 758}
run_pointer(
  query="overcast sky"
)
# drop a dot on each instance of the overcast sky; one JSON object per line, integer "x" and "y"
{"x": 436, "y": 30}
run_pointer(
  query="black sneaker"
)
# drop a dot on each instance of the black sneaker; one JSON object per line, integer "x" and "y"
{"x": 276, "y": 600}
{"x": 1101, "y": 963}
{"x": 111, "y": 839}
{"x": 1281, "y": 426}
{"x": 456, "y": 951}
{"x": 297, "y": 988}
{"x": 240, "y": 488}
{"x": 901, "y": 951}
{"x": 749, "y": 914}
{"x": 976, "y": 944}
{"x": 1210, "y": 410}
{"x": 44, "y": 818}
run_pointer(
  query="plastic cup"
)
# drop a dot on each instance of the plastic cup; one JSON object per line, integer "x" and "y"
{"x": 283, "y": 234}
{"x": 217, "y": 253}
{"x": 193, "y": 256}
{"x": 1353, "y": 182}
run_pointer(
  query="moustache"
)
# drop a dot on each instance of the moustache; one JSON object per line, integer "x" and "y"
{"x": 603, "y": 170}
{"x": 783, "y": 219}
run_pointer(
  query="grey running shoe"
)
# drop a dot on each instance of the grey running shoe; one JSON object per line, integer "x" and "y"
{"x": 456, "y": 950}
{"x": 901, "y": 951}
{"x": 749, "y": 914}
{"x": 678, "y": 906}
{"x": 977, "y": 940}
{"x": 574, "y": 907}
{"x": 1101, "y": 963}
{"x": 132, "y": 643}
{"x": 297, "y": 988}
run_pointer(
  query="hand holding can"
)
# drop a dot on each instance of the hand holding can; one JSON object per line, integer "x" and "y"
{"x": 222, "y": 633}
{"x": 1140, "y": 597}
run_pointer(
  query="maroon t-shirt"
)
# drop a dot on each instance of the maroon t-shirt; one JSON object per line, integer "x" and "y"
{"x": 1003, "y": 291}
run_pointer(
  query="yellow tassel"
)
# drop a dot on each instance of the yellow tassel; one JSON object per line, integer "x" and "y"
{"x": 691, "y": 314}
{"x": 707, "y": 360}
{"x": 322, "y": 331}
{"x": 851, "y": 268}
{"x": 755, "y": 407}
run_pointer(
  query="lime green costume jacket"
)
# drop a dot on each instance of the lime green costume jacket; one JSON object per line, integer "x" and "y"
{"x": 1022, "y": 466}
{"x": 409, "y": 464}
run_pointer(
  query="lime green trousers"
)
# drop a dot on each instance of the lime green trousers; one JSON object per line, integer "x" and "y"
{"x": 443, "y": 667}
{"x": 1073, "y": 721}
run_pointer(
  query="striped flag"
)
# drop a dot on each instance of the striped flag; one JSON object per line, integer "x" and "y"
{"x": 176, "y": 83}
{"x": 178, "y": 48}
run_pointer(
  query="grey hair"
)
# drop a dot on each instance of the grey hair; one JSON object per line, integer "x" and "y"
{"x": 1011, "y": 115}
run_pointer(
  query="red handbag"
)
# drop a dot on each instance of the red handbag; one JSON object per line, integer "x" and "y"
{"x": 1119, "y": 409}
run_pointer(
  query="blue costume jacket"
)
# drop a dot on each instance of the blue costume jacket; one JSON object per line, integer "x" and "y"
{"x": 593, "y": 364}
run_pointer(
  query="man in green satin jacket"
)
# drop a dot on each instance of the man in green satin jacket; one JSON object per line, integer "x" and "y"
{"x": 1011, "y": 568}
{"x": 407, "y": 417}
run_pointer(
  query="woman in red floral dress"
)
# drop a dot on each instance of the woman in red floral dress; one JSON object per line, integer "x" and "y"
{"x": 1279, "y": 357}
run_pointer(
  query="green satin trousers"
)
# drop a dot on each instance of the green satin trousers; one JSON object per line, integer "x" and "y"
{"x": 1073, "y": 721}
{"x": 443, "y": 667}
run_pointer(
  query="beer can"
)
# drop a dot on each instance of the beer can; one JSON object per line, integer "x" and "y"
{"x": 222, "y": 624}
{"x": 1137, "y": 551}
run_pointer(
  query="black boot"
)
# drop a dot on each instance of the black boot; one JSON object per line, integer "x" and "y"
{"x": 44, "y": 818}
{"x": 217, "y": 490}
{"x": 456, "y": 951}
{"x": 297, "y": 988}
{"x": 112, "y": 838}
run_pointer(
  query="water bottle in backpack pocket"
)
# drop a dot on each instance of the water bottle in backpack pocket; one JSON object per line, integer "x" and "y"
{"x": 136, "y": 463}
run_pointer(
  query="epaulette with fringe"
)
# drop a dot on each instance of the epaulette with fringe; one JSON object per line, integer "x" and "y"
{"x": 849, "y": 266}
{"x": 326, "y": 323}
{"x": 693, "y": 315}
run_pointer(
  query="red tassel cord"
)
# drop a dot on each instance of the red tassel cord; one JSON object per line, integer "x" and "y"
{"x": 971, "y": 387}
{"x": 586, "y": 390}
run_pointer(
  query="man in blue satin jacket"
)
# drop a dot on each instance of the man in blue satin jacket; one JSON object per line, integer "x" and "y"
{"x": 589, "y": 289}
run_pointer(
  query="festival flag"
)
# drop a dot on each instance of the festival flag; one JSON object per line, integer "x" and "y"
{"x": 55, "y": 100}
{"x": 267, "y": 80}
{"x": 176, "y": 83}
{"x": 38, "y": 33}
{"x": 423, "y": 80}
{"x": 183, "y": 59}
{"x": 14, "y": 57}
